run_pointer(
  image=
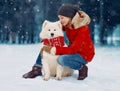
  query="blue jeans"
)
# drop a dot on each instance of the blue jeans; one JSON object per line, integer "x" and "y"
{"x": 73, "y": 61}
{"x": 38, "y": 61}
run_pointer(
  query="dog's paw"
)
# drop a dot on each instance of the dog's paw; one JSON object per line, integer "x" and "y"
{"x": 58, "y": 78}
{"x": 46, "y": 78}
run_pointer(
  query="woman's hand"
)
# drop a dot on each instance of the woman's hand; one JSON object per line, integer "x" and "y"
{"x": 46, "y": 48}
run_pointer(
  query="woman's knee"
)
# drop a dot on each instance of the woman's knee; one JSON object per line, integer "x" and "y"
{"x": 61, "y": 60}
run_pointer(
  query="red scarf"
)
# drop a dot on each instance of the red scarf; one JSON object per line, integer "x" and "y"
{"x": 56, "y": 41}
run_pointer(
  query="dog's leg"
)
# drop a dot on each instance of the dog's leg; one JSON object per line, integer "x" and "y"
{"x": 59, "y": 72}
{"x": 46, "y": 70}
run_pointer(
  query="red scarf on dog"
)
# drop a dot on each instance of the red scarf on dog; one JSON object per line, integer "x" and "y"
{"x": 56, "y": 41}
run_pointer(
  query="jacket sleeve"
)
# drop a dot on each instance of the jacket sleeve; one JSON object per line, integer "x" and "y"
{"x": 77, "y": 44}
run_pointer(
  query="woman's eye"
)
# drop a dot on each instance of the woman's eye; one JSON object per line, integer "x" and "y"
{"x": 48, "y": 29}
{"x": 54, "y": 29}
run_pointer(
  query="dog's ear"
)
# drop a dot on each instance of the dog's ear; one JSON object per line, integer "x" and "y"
{"x": 45, "y": 23}
{"x": 59, "y": 24}
{"x": 44, "y": 26}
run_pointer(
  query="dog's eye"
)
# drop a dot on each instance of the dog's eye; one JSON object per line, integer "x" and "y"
{"x": 54, "y": 29}
{"x": 48, "y": 29}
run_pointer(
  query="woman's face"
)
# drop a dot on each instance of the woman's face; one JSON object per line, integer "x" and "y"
{"x": 65, "y": 21}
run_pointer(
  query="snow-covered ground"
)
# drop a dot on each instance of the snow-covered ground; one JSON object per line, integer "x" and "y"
{"x": 15, "y": 60}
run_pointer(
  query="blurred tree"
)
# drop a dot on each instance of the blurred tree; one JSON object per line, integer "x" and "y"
{"x": 21, "y": 20}
{"x": 17, "y": 20}
{"x": 109, "y": 17}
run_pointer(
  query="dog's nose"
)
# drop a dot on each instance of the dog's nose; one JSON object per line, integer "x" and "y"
{"x": 52, "y": 34}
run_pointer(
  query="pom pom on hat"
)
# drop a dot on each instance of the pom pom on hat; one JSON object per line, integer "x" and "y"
{"x": 68, "y": 10}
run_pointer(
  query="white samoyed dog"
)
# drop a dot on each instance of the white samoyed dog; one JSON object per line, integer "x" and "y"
{"x": 52, "y": 34}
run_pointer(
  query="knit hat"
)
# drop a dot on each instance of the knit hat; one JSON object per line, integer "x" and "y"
{"x": 68, "y": 10}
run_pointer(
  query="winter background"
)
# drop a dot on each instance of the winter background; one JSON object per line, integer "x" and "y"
{"x": 20, "y": 25}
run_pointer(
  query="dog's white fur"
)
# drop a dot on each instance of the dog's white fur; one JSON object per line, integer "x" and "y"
{"x": 49, "y": 61}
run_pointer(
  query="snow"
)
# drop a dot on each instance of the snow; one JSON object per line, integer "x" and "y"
{"x": 15, "y": 60}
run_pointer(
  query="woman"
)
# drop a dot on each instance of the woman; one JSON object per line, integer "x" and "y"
{"x": 80, "y": 50}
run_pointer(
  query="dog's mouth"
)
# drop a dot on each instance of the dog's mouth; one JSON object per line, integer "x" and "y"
{"x": 52, "y": 34}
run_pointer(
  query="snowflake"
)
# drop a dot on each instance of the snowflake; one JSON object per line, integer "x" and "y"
{"x": 38, "y": 10}
{"x": 20, "y": 26}
{"x": 26, "y": 32}
{"x": 6, "y": 12}
{"x": 5, "y": 27}
{"x": 51, "y": 2}
{"x": 29, "y": 0}
{"x": 94, "y": 20}
{"x": 22, "y": 36}
{"x": 113, "y": 13}
{"x": 11, "y": 3}
{"x": 108, "y": 19}
{"x": 14, "y": 9}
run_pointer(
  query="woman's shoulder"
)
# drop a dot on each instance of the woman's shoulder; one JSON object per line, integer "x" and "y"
{"x": 80, "y": 19}
{"x": 85, "y": 27}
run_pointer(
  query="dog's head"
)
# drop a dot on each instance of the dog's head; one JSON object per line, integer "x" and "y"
{"x": 51, "y": 29}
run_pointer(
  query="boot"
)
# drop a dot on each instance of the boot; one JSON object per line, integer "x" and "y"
{"x": 36, "y": 71}
{"x": 83, "y": 73}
